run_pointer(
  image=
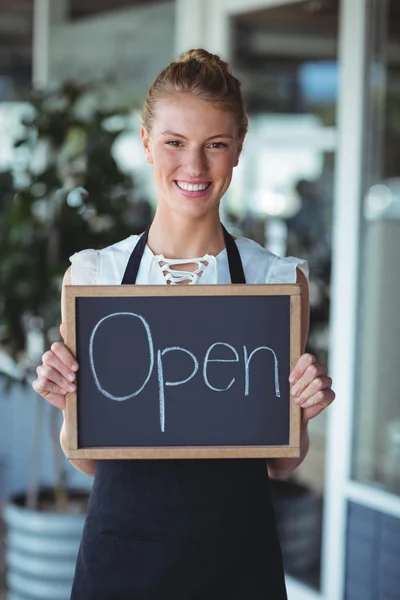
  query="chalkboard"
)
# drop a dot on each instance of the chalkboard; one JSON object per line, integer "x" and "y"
{"x": 183, "y": 371}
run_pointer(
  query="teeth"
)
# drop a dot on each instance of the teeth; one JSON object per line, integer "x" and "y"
{"x": 192, "y": 188}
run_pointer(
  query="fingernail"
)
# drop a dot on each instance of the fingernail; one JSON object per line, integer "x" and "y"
{"x": 71, "y": 376}
{"x": 74, "y": 367}
{"x": 304, "y": 403}
{"x": 71, "y": 388}
{"x": 295, "y": 391}
{"x": 292, "y": 378}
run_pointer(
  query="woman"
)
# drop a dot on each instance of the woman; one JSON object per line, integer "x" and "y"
{"x": 185, "y": 529}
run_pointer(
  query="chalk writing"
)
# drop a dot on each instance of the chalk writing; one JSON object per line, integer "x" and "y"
{"x": 225, "y": 360}
{"x": 162, "y": 383}
{"x": 247, "y": 362}
{"x": 151, "y": 350}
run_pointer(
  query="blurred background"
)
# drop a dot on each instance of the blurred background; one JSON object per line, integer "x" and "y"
{"x": 319, "y": 179}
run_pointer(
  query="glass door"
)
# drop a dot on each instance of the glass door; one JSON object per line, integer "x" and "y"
{"x": 363, "y": 441}
{"x": 285, "y": 54}
{"x": 376, "y": 457}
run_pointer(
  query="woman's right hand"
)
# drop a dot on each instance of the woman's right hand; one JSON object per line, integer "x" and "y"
{"x": 56, "y": 375}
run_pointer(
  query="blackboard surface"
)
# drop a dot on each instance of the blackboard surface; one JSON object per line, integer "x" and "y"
{"x": 183, "y": 371}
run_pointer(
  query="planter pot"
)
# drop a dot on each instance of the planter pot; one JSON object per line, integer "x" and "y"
{"x": 298, "y": 513}
{"x": 42, "y": 547}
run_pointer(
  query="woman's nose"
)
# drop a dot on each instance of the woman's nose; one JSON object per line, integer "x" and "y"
{"x": 196, "y": 164}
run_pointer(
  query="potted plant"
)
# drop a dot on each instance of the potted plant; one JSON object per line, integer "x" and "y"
{"x": 68, "y": 195}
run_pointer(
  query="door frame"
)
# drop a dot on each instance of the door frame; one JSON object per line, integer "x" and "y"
{"x": 347, "y": 224}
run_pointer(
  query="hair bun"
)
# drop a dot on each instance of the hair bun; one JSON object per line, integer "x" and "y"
{"x": 202, "y": 56}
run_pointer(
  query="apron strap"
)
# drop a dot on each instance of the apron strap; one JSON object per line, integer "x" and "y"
{"x": 234, "y": 260}
{"x": 132, "y": 268}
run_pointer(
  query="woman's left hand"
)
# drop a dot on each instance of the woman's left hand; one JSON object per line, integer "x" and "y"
{"x": 311, "y": 386}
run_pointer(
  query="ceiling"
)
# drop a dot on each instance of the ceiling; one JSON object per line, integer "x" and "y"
{"x": 316, "y": 17}
{"x": 295, "y": 31}
{"x": 87, "y": 8}
{"x": 309, "y": 29}
{"x": 310, "y": 17}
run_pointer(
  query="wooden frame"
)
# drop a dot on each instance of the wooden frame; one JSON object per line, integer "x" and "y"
{"x": 71, "y": 418}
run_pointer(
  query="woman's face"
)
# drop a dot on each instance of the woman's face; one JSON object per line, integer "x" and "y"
{"x": 193, "y": 148}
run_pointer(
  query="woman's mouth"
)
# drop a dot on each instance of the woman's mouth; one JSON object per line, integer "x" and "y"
{"x": 193, "y": 190}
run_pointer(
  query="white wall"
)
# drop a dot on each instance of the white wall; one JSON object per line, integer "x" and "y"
{"x": 131, "y": 45}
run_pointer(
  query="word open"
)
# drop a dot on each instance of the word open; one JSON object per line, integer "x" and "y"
{"x": 156, "y": 365}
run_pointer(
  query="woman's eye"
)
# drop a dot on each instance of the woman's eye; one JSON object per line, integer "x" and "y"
{"x": 219, "y": 145}
{"x": 214, "y": 145}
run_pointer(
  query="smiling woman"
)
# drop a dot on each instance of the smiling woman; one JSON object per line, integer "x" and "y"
{"x": 189, "y": 529}
{"x": 193, "y": 163}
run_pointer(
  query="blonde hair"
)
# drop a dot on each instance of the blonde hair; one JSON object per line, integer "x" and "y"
{"x": 206, "y": 76}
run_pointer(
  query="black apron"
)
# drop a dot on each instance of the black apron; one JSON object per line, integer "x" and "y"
{"x": 182, "y": 529}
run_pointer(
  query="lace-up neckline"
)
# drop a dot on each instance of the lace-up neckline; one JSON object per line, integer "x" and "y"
{"x": 177, "y": 276}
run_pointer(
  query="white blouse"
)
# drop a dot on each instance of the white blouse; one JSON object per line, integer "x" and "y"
{"x": 107, "y": 266}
